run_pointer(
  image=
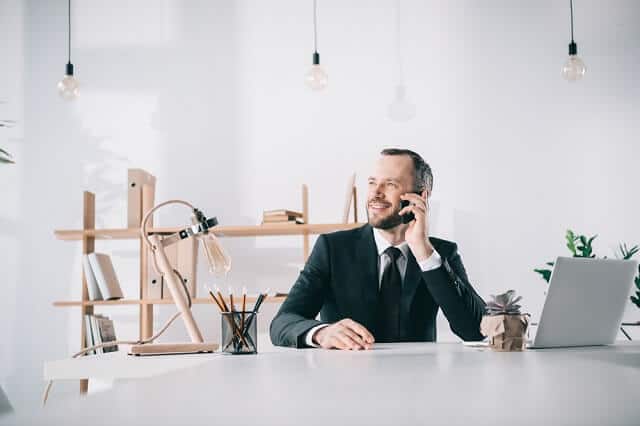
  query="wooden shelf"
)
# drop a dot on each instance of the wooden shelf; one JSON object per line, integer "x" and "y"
{"x": 222, "y": 231}
{"x": 196, "y": 301}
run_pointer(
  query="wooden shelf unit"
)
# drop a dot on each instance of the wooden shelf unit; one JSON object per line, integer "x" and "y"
{"x": 220, "y": 231}
{"x": 88, "y": 236}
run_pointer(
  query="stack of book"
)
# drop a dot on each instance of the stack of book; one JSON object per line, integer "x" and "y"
{"x": 99, "y": 329}
{"x": 281, "y": 217}
{"x": 102, "y": 281}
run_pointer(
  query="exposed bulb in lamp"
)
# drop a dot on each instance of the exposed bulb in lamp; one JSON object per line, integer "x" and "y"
{"x": 574, "y": 68}
{"x": 316, "y": 78}
{"x": 219, "y": 262}
{"x": 401, "y": 109}
{"x": 68, "y": 87}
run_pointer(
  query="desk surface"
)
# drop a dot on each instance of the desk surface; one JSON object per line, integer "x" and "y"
{"x": 393, "y": 384}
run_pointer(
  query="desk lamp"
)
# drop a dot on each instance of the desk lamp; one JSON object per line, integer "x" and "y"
{"x": 218, "y": 262}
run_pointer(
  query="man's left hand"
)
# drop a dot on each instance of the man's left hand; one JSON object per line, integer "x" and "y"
{"x": 418, "y": 231}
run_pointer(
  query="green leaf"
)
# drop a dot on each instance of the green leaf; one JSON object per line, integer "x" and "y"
{"x": 571, "y": 239}
{"x": 550, "y": 263}
{"x": 546, "y": 273}
{"x": 627, "y": 253}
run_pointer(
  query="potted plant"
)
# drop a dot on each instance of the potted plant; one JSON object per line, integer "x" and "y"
{"x": 581, "y": 246}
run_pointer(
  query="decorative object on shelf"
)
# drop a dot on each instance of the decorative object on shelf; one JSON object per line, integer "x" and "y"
{"x": 574, "y": 68}
{"x": 400, "y": 109}
{"x": 68, "y": 87}
{"x": 316, "y": 78}
{"x": 503, "y": 324}
{"x": 581, "y": 246}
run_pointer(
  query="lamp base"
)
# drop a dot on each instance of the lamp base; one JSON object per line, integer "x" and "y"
{"x": 172, "y": 348}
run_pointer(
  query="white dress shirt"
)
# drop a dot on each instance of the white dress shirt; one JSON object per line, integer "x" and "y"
{"x": 432, "y": 262}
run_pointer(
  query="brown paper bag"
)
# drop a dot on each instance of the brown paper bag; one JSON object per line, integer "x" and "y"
{"x": 505, "y": 332}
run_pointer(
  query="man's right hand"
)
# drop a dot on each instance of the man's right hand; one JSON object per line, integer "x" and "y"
{"x": 344, "y": 334}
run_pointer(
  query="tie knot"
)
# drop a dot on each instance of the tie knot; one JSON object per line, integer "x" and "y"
{"x": 393, "y": 252}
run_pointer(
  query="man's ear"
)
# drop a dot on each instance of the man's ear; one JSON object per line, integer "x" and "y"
{"x": 425, "y": 194}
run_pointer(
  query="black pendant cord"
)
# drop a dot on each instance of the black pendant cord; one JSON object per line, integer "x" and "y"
{"x": 315, "y": 26}
{"x": 316, "y": 55}
{"x": 69, "y": 31}
{"x": 571, "y": 8}
{"x": 573, "y": 47}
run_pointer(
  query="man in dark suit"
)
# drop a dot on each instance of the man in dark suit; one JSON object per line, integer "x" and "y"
{"x": 385, "y": 281}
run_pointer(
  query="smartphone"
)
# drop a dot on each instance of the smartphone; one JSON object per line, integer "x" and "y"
{"x": 407, "y": 217}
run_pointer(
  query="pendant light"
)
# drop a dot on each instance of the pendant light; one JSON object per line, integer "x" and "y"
{"x": 316, "y": 77}
{"x": 68, "y": 86}
{"x": 400, "y": 109}
{"x": 574, "y": 68}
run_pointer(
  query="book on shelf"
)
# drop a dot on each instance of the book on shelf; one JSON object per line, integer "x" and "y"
{"x": 105, "y": 276}
{"x": 281, "y": 212}
{"x": 92, "y": 284}
{"x": 107, "y": 332}
{"x": 88, "y": 334}
{"x": 95, "y": 332}
{"x": 99, "y": 329}
{"x": 286, "y": 220}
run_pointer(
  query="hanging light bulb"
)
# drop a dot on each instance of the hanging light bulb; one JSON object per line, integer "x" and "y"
{"x": 316, "y": 78}
{"x": 574, "y": 68}
{"x": 68, "y": 87}
{"x": 401, "y": 109}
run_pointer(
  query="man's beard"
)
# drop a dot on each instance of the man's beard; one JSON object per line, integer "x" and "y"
{"x": 390, "y": 221}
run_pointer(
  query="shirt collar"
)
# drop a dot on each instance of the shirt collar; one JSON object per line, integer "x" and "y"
{"x": 382, "y": 244}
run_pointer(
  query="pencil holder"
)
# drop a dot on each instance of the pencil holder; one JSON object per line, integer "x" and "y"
{"x": 239, "y": 332}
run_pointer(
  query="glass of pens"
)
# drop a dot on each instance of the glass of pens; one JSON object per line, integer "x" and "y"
{"x": 239, "y": 327}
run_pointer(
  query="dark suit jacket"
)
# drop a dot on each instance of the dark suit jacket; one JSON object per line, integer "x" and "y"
{"x": 340, "y": 280}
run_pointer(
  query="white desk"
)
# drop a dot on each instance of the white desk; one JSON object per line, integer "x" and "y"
{"x": 394, "y": 384}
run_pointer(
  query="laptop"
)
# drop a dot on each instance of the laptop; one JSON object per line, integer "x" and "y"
{"x": 585, "y": 302}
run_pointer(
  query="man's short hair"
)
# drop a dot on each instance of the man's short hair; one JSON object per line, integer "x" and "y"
{"x": 423, "y": 178}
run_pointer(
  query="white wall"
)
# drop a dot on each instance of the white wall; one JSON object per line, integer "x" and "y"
{"x": 209, "y": 96}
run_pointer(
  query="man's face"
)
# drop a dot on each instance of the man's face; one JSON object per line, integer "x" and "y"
{"x": 392, "y": 177}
